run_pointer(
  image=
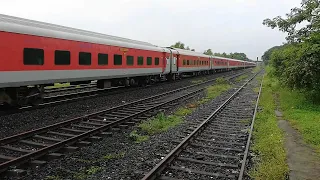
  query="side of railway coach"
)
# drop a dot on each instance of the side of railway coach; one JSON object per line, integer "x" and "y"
{"x": 35, "y": 54}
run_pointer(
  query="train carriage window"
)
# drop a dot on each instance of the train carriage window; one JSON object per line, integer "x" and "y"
{"x": 194, "y": 62}
{"x": 117, "y": 59}
{"x": 188, "y": 62}
{"x": 130, "y": 60}
{"x": 84, "y": 58}
{"x": 184, "y": 62}
{"x": 102, "y": 59}
{"x": 61, "y": 57}
{"x": 149, "y": 61}
{"x": 140, "y": 60}
{"x": 156, "y": 61}
{"x": 33, "y": 56}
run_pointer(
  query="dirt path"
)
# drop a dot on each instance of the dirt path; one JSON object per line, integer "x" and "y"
{"x": 304, "y": 163}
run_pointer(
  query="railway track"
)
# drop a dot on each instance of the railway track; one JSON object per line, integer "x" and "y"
{"x": 216, "y": 148}
{"x": 75, "y": 96}
{"x": 70, "y": 88}
{"x": 36, "y": 146}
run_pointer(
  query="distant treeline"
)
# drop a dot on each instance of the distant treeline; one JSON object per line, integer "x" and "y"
{"x": 236, "y": 55}
{"x": 297, "y": 62}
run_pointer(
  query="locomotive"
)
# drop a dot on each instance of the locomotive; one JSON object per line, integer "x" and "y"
{"x": 35, "y": 54}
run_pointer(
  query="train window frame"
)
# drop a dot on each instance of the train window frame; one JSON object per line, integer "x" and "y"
{"x": 188, "y": 62}
{"x": 103, "y": 59}
{"x": 184, "y": 62}
{"x": 29, "y": 60}
{"x": 130, "y": 61}
{"x": 116, "y": 58}
{"x": 59, "y": 60}
{"x": 84, "y": 58}
{"x": 156, "y": 61}
{"x": 140, "y": 60}
{"x": 149, "y": 61}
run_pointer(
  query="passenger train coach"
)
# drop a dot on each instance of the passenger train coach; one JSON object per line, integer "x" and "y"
{"x": 35, "y": 54}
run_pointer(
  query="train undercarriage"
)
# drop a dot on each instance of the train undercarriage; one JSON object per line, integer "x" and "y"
{"x": 33, "y": 95}
{"x": 22, "y": 96}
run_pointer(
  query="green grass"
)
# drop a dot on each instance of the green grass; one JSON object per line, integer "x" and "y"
{"x": 137, "y": 137}
{"x": 114, "y": 156}
{"x": 268, "y": 139}
{"x": 242, "y": 77}
{"x": 102, "y": 159}
{"x": 160, "y": 123}
{"x": 256, "y": 69}
{"x": 302, "y": 115}
{"x": 198, "y": 81}
{"x": 215, "y": 90}
{"x": 87, "y": 172}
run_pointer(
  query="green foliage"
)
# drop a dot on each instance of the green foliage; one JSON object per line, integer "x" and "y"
{"x": 208, "y": 52}
{"x": 198, "y": 81}
{"x": 87, "y": 172}
{"x": 114, "y": 156}
{"x": 160, "y": 123}
{"x": 297, "y": 64}
{"x": 183, "y": 111}
{"x": 214, "y": 91}
{"x": 267, "y": 55}
{"x": 242, "y": 77}
{"x": 268, "y": 139}
{"x": 236, "y": 55}
{"x": 137, "y": 137}
{"x": 181, "y": 45}
{"x": 221, "y": 80}
{"x": 308, "y": 13}
{"x": 302, "y": 114}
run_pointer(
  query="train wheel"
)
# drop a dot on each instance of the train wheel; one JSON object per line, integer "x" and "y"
{"x": 35, "y": 96}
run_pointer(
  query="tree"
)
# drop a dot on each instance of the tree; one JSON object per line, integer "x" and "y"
{"x": 297, "y": 64}
{"x": 309, "y": 13}
{"x": 178, "y": 44}
{"x": 208, "y": 52}
{"x": 267, "y": 55}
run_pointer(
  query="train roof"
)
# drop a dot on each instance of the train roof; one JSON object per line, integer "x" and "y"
{"x": 37, "y": 28}
{"x": 190, "y": 53}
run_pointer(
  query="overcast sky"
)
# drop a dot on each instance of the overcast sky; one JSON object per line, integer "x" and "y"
{"x": 222, "y": 25}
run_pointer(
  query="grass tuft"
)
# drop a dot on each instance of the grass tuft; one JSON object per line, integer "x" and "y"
{"x": 256, "y": 69}
{"x": 268, "y": 139}
{"x": 215, "y": 90}
{"x": 134, "y": 135}
{"x": 242, "y": 77}
{"x": 114, "y": 156}
{"x": 198, "y": 81}
{"x": 161, "y": 123}
{"x": 87, "y": 172}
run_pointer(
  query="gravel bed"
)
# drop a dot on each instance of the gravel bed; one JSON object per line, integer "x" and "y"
{"x": 17, "y": 123}
{"x": 118, "y": 157}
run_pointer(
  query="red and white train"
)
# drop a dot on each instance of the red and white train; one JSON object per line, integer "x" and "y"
{"x": 35, "y": 54}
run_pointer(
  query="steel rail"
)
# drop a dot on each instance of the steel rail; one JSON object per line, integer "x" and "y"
{"x": 243, "y": 164}
{"x": 54, "y": 147}
{"x": 157, "y": 170}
